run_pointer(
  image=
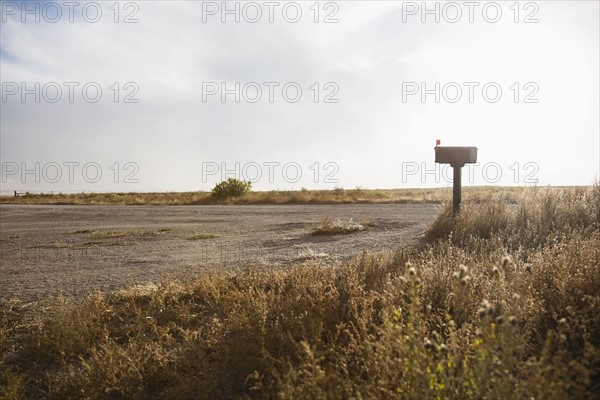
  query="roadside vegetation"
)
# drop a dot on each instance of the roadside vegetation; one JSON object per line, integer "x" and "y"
{"x": 231, "y": 188}
{"x": 333, "y": 196}
{"x": 203, "y": 236}
{"x": 334, "y": 226}
{"x": 501, "y": 301}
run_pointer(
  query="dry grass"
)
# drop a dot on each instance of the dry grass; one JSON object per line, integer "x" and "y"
{"x": 109, "y": 237}
{"x": 112, "y": 234}
{"x": 335, "y": 226}
{"x": 203, "y": 236}
{"x": 500, "y": 302}
{"x": 336, "y": 196}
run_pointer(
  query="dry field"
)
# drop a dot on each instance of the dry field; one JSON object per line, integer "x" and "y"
{"x": 334, "y": 196}
{"x": 501, "y": 301}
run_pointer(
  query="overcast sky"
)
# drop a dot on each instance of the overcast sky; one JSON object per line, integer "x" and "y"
{"x": 304, "y": 94}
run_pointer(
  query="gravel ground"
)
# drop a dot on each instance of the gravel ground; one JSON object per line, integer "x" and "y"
{"x": 74, "y": 250}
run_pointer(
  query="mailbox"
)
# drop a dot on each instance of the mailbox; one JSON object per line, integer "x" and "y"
{"x": 455, "y": 155}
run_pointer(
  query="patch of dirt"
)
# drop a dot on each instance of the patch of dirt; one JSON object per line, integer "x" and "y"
{"x": 74, "y": 250}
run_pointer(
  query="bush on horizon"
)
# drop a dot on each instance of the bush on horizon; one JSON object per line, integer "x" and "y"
{"x": 231, "y": 188}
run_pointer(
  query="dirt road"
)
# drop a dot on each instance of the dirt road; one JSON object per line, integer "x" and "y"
{"x": 48, "y": 250}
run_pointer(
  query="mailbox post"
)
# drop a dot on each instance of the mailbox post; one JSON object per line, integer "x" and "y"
{"x": 457, "y": 157}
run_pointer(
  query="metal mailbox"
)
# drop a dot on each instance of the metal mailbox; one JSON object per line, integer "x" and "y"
{"x": 458, "y": 156}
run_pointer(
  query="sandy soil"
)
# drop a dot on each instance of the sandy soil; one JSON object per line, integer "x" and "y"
{"x": 74, "y": 250}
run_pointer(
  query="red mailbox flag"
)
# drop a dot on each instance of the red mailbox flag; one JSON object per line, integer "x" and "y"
{"x": 438, "y": 142}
